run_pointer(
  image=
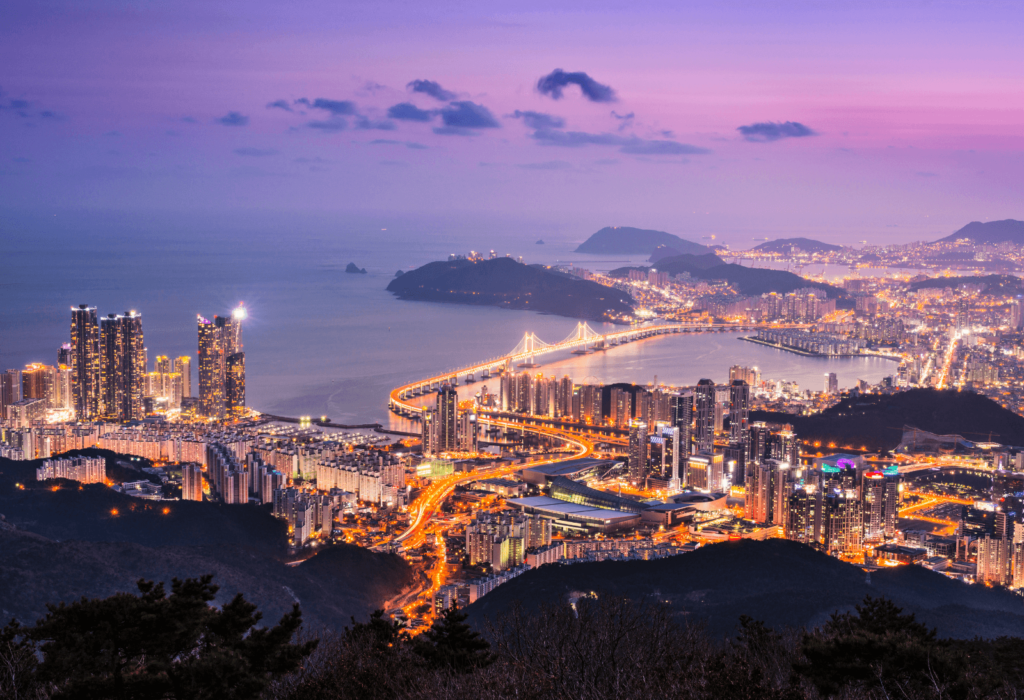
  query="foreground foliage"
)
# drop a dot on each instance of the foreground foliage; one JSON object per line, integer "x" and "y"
{"x": 154, "y": 645}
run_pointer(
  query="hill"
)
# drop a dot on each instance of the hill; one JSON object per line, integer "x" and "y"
{"x": 745, "y": 280}
{"x": 505, "y": 282}
{"x": 1006, "y": 231}
{"x": 793, "y": 245}
{"x": 783, "y": 583}
{"x": 92, "y": 541}
{"x": 626, "y": 240}
{"x": 876, "y": 421}
{"x": 993, "y": 285}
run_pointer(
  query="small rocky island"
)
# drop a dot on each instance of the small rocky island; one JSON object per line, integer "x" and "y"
{"x": 352, "y": 268}
{"x": 540, "y": 242}
{"x": 513, "y": 285}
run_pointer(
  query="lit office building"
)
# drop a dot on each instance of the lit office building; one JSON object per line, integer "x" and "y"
{"x": 221, "y": 362}
{"x": 85, "y": 362}
{"x": 37, "y": 382}
{"x": 122, "y": 366}
{"x": 804, "y": 522}
{"x": 681, "y": 416}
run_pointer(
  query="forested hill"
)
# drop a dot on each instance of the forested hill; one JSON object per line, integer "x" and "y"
{"x": 511, "y": 284}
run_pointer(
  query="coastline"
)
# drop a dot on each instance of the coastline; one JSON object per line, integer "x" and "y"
{"x": 797, "y": 351}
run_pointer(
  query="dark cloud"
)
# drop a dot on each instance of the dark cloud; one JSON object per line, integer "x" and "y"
{"x": 547, "y": 165}
{"x": 280, "y": 104}
{"x": 373, "y": 87}
{"x": 763, "y": 132}
{"x": 466, "y": 115}
{"x": 626, "y": 144}
{"x": 429, "y": 87}
{"x": 189, "y": 120}
{"x": 393, "y": 142}
{"x": 255, "y": 152}
{"x": 335, "y": 124}
{"x": 625, "y": 120}
{"x": 553, "y": 84}
{"x": 25, "y": 109}
{"x": 336, "y": 107}
{"x": 234, "y": 119}
{"x": 363, "y": 122}
{"x": 539, "y": 120}
{"x": 646, "y": 147}
{"x": 407, "y": 111}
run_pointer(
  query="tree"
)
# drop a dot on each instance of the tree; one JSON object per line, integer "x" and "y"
{"x": 453, "y": 645}
{"x": 882, "y": 649}
{"x": 17, "y": 664}
{"x": 155, "y": 645}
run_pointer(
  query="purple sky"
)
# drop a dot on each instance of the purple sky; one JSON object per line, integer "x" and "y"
{"x": 858, "y": 117}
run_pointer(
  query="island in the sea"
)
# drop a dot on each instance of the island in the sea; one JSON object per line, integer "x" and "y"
{"x": 626, "y": 240}
{"x": 511, "y": 284}
{"x": 352, "y": 268}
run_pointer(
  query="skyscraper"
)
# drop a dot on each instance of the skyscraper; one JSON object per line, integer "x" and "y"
{"x": 831, "y": 384}
{"x": 122, "y": 366}
{"x": 221, "y": 366}
{"x": 10, "y": 390}
{"x": 65, "y": 355}
{"x": 704, "y": 408}
{"x": 638, "y": 453}
{"x": 191, "y": 482}
{"x": 234, "y": 389}
{"x": 447, "y": 414}
{"x": 38, "y": 381}
{"x": 880, "y": 506}
{"x": 85, "y": 362}
{"x": 183, "y": 366}
{"x": 681, "y": 416}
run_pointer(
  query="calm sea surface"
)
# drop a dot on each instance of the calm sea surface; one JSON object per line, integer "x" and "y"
{"x": 318, "y": 340}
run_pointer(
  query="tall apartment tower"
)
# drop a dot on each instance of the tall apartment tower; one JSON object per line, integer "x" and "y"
{"x": 234, "y": 384}
{"x": 85, "y": 362}
{"x": 639, "y": 450}
{"x": 447, "y": 415}
{"x": 681, "y": 416}
{"x": 831, "y": 384}
{"x": 739, "y": 412}
{"x": 191, "y": 482}
{"x": 211, "y": 368}
{"x": 704, "y": 408}
{"x": 122, "y": 366}
{"x": 65, "y": 355}
{"x": 183, "y": 366}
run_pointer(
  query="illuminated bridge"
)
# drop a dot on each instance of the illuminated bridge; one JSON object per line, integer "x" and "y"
{"x": 582, "y": 339}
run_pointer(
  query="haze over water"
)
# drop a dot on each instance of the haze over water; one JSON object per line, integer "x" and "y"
{"x": 318, "y": 340}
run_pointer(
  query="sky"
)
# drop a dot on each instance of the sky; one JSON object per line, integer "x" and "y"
{"x": 892, "y": 121}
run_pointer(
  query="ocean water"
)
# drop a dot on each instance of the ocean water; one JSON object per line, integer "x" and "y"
{"x": 319, "y": 341}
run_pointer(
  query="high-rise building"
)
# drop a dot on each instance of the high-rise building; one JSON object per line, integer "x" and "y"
{"x": 183, "y": 366}
{"x": 704, "y": 410}
{"x": 65, "y": 355}
{"x": 212, "y": 369}
{"x": 191, "y": 482}
{"x": 621, "y": 408}
{"x": 739, "y": 412}
{"x": 638, "y": 453}
{"x": 122, "y": 366}
{"x": 963, "y": 319}
{"x": 447, "y": 417}
{"x": 831, "y": 384}
{"x": 10, "y": 390}
{"x": 757, "y": 447}
{"x": 843, "y": 518}
{"x": 234, "y": 387}
{"x": 804, "y": 521}
{"x": 681, "y": 416}
{"x": 994, "y": 560}
{"x": 38, "y": 382}
{"x": 881, "y": 494}
{"x": 85, "y": 362}
{"x": 163, "y": 364}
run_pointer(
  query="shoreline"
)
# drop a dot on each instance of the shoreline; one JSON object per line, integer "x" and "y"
{"x": 804, "y": 353}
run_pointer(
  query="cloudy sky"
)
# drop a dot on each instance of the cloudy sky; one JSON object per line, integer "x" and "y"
{"x": 802, "y": 116}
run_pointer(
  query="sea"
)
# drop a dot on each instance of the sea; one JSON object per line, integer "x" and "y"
{"x": 318, "y": 340}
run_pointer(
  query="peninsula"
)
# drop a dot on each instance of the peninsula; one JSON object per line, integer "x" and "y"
{"x": 511, "y": 284}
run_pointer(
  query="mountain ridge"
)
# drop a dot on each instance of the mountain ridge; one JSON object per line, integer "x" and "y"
{"x": 627, "y": 240}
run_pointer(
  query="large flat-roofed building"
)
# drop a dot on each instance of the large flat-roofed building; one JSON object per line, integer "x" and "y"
{"x": 571, "y": 491}
{"x": 575, "y": 516}
{"x": 543, "y": 474}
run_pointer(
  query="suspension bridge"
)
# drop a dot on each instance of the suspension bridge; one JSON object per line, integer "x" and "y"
{"x": 583, "y": 339}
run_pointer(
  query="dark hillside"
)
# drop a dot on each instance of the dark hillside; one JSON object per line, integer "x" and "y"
{"x": 789, "y": 245}
{"x": 1005, "y": 231}
{"x": 993, "y": 285}
{"x": 505, "y": 282}
{"x": 626, "y": 240}
{"x": 876, "y": 421}
{"x": 783, "y": 583}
